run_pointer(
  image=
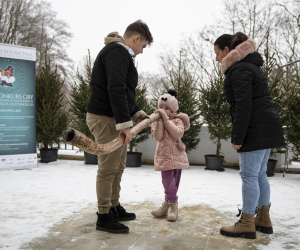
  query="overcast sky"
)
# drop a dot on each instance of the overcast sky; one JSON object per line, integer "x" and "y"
{"x": 91, "y": 20}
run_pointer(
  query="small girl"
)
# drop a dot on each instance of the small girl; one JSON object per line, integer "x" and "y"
{"x": 170, "y": 156}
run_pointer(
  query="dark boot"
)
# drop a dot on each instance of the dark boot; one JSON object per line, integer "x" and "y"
{"x": 108, "y": 223}
{"x": 120, "y": 213}
{"x": 262, "y": 220}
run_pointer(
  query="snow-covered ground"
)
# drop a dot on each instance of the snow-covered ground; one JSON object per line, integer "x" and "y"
{"x": 32, "y": 201}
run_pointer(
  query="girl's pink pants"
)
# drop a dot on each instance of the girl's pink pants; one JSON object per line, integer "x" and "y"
{"x": 171, "y": 180}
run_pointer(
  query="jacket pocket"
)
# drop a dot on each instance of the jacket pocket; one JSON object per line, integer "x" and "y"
{"x": 93, "y": 126}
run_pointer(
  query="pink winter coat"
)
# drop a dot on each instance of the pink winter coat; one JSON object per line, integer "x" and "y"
{"x": 168, "y": 134}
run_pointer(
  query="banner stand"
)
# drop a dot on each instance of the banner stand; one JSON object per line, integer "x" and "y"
{"x": 17, "y": 107}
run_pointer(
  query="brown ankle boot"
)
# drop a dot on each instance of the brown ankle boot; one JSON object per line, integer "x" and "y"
{"x": 162, "y": 211}
{"x": 245, "y": 227}
{"x": 262, "y": 220}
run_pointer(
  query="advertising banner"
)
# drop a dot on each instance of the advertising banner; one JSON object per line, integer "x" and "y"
{"x": 17, "y": 107}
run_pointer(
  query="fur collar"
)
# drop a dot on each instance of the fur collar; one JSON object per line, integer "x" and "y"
{"x": 237, "y": 54}
{"x": 184, "y": 117}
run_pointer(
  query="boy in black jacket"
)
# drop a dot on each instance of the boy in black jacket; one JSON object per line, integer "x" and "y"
{"x": 112, "y": 110}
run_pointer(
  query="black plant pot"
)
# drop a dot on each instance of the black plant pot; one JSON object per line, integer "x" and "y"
{"x": 212, "y": 162}
{"x": 90, "y": 158}
{"x": 271, "y": 166}
{"x": 133, "y": 159}
{"x": 48, "y": 155}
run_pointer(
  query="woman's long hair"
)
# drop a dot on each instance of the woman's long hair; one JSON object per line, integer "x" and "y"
{"x": 230, "y": 41}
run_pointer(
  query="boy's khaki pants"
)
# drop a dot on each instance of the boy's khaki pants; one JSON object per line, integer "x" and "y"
{"x": 110, "y": 166}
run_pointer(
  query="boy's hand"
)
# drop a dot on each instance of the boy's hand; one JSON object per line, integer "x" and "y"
{"x": 127, "y": 133}
{"x": 141, "y": 118}
{"x": 163, "y": 114}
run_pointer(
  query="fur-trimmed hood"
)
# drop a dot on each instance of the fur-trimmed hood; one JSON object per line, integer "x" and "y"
{"x": 184, "y": 117}
{"x": 237, "y": 54}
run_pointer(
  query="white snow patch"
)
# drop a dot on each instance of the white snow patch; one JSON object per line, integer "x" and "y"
{"x": 32, "y": 201}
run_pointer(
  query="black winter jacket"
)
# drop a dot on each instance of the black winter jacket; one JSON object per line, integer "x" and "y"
{"x": 113, "y": 82}
{"x": 256, "y": 124}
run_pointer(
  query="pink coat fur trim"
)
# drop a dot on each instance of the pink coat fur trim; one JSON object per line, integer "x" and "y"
{"x": 237, "y": 54}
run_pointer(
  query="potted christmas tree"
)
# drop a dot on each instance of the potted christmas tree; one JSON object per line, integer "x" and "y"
{"x": 80, "y": 91}
{"x": 51, "y": 117}
{"x": 177, "y": 76}
{"x": 283, "y": 92}
{"x": 215, "y": 112}
{"x": 134, "y": 158}
{"x": 293, "y": 121}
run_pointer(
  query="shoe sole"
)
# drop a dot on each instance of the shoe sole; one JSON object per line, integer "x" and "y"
{"x": 250, "y": 235}
{"x": 266, "y": 230}
{"x": 126, "y": 218}
{"x": 120, "y": 231}
{"x": 164, "y": 215}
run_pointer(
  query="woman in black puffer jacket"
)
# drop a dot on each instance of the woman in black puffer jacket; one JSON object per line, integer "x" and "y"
{"x": 256, "y": 128}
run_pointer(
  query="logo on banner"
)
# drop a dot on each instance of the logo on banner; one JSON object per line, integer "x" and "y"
{"x": 3, "y": 159}
{"x": 11, "y": 76}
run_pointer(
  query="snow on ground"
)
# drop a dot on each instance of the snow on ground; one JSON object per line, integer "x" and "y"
{"x": 32, "y": 201}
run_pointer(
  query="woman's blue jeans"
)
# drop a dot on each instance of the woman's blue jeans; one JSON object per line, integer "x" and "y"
{"x": 255, "y": 187}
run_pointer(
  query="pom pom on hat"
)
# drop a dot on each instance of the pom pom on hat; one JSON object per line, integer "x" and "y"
{"x": 173, "y": 92}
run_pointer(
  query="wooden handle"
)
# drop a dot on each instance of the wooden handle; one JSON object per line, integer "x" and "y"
{"x": 81, "y": 141}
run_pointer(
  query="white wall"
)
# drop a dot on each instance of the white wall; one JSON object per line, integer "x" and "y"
{"x": 205, "y": 147}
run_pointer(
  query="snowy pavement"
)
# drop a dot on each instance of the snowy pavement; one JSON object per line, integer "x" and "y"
{"x": 32, "y": 201}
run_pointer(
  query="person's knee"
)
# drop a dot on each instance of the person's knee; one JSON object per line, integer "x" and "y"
{"x": 250, "y": 180}
{"x": 107, "y": 173}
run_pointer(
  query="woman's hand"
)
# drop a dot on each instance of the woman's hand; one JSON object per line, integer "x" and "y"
{"x": 163, "y": 113}
{"x": 236, "y": 147}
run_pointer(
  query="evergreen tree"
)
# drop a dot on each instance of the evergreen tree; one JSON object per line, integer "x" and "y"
{"x": 282, "y": 90}
{"x": 293, "y": 122}
{"x": 176, "y": 76}
{"x": 143, "y": 103}
{"x": 80, "y": 93}
{"x": 215, "y": 109}
{"x": 51, "y": 117}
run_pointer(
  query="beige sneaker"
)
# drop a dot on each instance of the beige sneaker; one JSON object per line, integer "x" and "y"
{"x": 162, "y": 211}
{"x": 172, "y": 216}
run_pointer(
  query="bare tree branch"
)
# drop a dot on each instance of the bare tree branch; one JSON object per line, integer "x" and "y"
{"x": 27, "y": 22}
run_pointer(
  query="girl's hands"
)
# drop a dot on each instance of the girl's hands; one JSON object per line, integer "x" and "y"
{"x": 163, "y": 114}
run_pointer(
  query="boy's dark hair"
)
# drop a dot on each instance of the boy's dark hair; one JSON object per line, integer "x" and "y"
{"x": 230, "y": 41}
{"x": 139, "y": 28}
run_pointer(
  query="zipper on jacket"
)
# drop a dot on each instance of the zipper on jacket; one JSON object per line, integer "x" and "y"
{"x": 171, "y": 151}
